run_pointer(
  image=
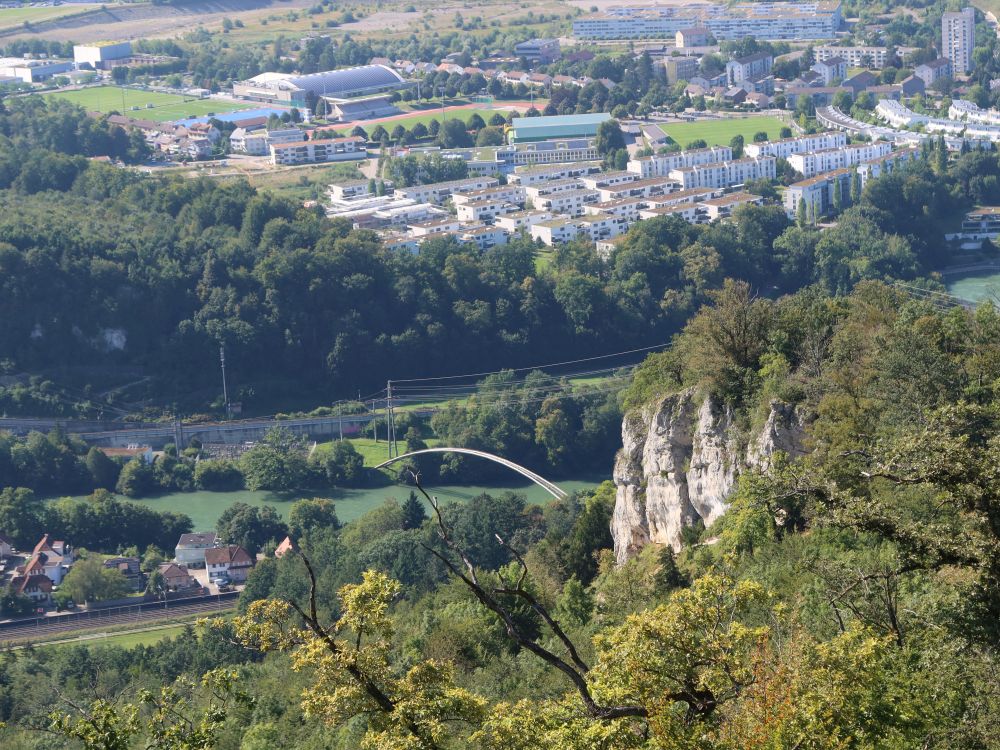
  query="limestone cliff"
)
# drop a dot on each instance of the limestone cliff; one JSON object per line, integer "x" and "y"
{"x": 679, "y": 462}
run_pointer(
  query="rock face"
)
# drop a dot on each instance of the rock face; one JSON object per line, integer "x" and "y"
{"x": 679, "y": 463}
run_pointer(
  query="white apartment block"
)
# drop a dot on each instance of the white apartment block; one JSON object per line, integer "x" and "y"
{"x": 312, "y": 152}
{"x": 886, "y": 164}
{"x": 434, "y": 226}
{"x": 484, "y": 237}
{"x": 680, "y": 197}
{"x": 817, "y": 193}
{"x": 961, "y": 109}
{"x": 608, "y": 179}
{"x": 555, "y": 231}
{"x": 639, "y": 189}
{"x": 796, "y": 145}
{"x": 603, "y": 226}
{"x": 439, "y": 192}
{"x": 811, "y": 164}
{"x": 484, "y": 210}
{"x": 542, "y": 173}
{"x": 690, "y": 212}
{"x": 567, "y": 204}
{"x": 627, "y": 208}
{"x": 660, "y": 165}
{"x": 856, "y": 57}
{"x": 520, "y": 221}
{"x": 549, "y": 152}
{"x": 723, "y": 207}
{"x": 763, "y": 20}
{"x": 534, "y": 192}
{"x": 286, "y": 135}
{"x": 958, "y": 37}
{"x": 253, "y": 142}
{"x": 736, "y": 172}
{"x": 508, "y": 193}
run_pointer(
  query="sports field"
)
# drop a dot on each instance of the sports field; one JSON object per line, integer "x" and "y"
{"x": 136, "y": 103}
{"x": 720, "y": 132}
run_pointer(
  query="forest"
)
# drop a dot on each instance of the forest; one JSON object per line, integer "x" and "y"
{"x": 846, "y": 599}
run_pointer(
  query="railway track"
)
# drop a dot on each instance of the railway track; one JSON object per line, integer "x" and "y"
{"x": 41, "y": 627}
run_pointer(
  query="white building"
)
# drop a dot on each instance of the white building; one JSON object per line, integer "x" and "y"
{"x": 627, "y": 208}
{"x": 98, "y": 55}
{"x": 554, "y": 151}
{"x": 796, "y": 145}
{"x": 723, "y": 207}
{"x": 484, "y": 210}
{"x": 312, "y": 152}
{"x": 815, "y": 162}
{"x": 190, "y": 549}
{"x": 958, "y": 37}
{"x": 252, "y": 142}
{"x": 544, "y": 172}
{"x": 32, "y": 71}
{"x": 639, "y": 188}
{"x": 439, "y": 192}
{"x": 520, "y": 221}
{"x": 507, "y": 193}
{"x": 660, "y": 165}
{"x": 484, "y": 237}
{"x": 555, "y": 231}
{"x": 736, "y": 172}
{"x": 857, "y": 57}
{"x": 448, "y": 225}
{"x": 567, "y": 204}
{"x": 816, "y": 194}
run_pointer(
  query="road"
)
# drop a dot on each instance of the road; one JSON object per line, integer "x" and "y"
{"x": 40, "y": 627}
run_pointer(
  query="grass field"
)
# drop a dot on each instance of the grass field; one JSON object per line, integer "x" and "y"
{"x": 720, "y": 132}
{"x": 10, "y": 17}
{"x": 146, "y": 637}
{"x": 307, "y": 182}
{"x": 165, "y": 107}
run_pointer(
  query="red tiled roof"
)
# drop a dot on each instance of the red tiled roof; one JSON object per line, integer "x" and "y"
{"x": 233, "y": 554}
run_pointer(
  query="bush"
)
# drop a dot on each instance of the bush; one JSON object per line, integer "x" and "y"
{"x": 217, "y": 475}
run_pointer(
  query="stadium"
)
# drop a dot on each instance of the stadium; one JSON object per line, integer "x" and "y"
{"x": 335, "y": 86}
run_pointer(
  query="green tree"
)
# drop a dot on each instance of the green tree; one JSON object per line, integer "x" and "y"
{"x": 137, "y": 478}
{"x": 609, "y": 137}
{"x": 89, "y": 581}
{"x": 103, "y": 471}
{"x": 306, "y": 515}
{"x": 454, "y": 134}
{"x": 414, "y": 514}
{"x": 250, "y": 527}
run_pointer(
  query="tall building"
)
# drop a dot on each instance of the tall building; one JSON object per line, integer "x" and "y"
{"x": 958, "y": 36}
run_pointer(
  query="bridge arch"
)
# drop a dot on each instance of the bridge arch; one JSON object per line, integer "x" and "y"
{"x": 541, "y": 481}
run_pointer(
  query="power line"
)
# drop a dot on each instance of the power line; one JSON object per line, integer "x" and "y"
{"x": 534, "y": 367}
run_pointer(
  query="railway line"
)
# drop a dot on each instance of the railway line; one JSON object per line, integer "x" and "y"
{"x": 42, "y": 627}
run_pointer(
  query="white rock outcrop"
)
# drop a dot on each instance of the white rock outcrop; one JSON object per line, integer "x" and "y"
{"x": 680, "y": 459}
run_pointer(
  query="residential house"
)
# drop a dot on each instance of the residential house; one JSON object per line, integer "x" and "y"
{"x": 932, "y": 71}
{"x": 51, "y": 559}
{"x": 128, "y": 567}
{"x": 286, "y": 546}
{"x": 6, "y": 546}
{"x": 750, "y": 67}
{"x": 190, "y": 549}
{"x": 232, "y": 562}
{"x": 832, "y": 69}
{"x": 176, "y": 577}
{"x": 698, "y": 36}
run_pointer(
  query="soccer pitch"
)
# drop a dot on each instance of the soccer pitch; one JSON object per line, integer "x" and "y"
{"x": 720, "y": 132}
{"x": 134, "y": 103}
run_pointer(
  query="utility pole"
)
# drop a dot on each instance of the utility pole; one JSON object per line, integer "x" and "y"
{"x": 340, "y": 419}
{"x": 225, "y": 388}
{"x": 390, "y": 425}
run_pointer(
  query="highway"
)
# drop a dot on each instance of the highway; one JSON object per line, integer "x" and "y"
{"x": 38, "y": 628}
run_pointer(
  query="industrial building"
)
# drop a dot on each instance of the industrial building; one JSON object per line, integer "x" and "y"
{"x": 100, "y": 55}
{"x": 530, "y": 129}
{"x": 30, "y": 70}
{"x": 298, "y": 90}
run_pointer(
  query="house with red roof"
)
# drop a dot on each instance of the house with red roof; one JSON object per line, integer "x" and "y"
{"x": 231, "y": 561}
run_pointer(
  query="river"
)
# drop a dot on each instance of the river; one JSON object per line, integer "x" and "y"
{"x": 975, "y": 286}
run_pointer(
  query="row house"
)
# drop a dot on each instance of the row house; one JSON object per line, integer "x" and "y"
{"x": 736, "y": 172}
{"x": 520, "y": 221}
{"x": 543, "y": 173}
{"x": 483, "y": 211}
{"x": 439, "y": 192}
{"x": 508, "y": 193}
{"x": 603, "y": 226}
{"x": 567, "y": 204}
{"x": 796, "y": 145}
{"x": 660, "y": 165}
{"x": 811, "y": 164}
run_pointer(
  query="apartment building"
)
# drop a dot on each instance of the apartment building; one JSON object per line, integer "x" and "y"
{"x": 679, "y": 68}
{"x": 699, "y": 36}
{"x": 602, "y": 226}
{"x": 439, "y": 192}
{"x": 724, "y": 206}
{"x": 886, "y": 164}
{"x": 434, "y": 226}
{"x": 796, "y": 145}
{"x": 538, "y": 51}
{"x": 690, "y": 212}
{"x": 483, "y": 210}
{"x": 312, "y": 152}
{"x": 859, "y": 57}
{"x": 520, "y": 221}
{"x": 763, "y": 20}
{"x": 555, "y": 231}
{"x": 736, "y": 172}
{"x": 749, "y": 68}
{"x": 929, "y": 72}
{"x": 534, "y": 192}
{"x": 827, "y": 160}
{"x": 252, "y": 142}
{"x": 639, "y": 189}
{"x": 627, "y": 208}
{"x": 660, "y": 165}
{"x": 817, "y": 194}
{"x": 543, "y": 173}
{"x": 567, "y": 204}
{"x": 507, "y": 193}
{"x": 958, "y": 37}
{"x": 608, "y": 179}
{"x": 484, "y": 237}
